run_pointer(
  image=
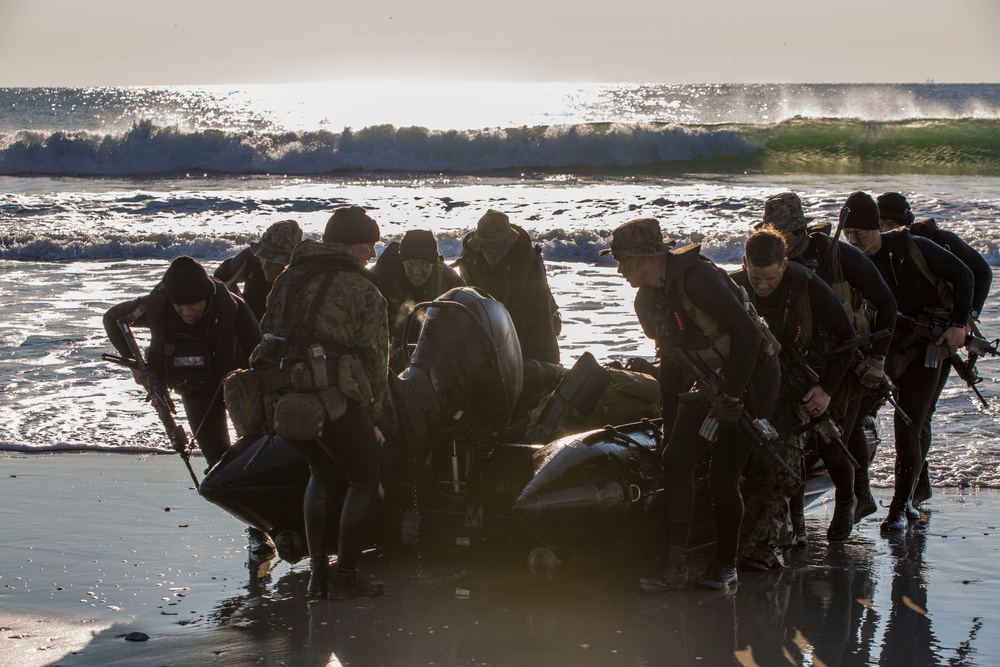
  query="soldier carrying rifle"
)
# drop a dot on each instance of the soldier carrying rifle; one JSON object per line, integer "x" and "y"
{"x": 804, "y": 314}
{"x": 920, "y": 275}
{"x": 894, "y": 213}
{"x": 695, "y": 313}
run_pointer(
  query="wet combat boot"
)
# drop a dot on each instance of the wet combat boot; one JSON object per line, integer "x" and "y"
{"x": 923, "y": 490}
{"x": 319, "y": 577}
{"x": 719, "y": 576}
{"x": 348, "y": 584}
{"x": 796, "y": 506}
{"x": 672, "y": 575}
{"x": 896, "y": 518}
{"x": 866, "y": 501}
{"x": 912, "y": 513}
{"x": 842, "y": 522}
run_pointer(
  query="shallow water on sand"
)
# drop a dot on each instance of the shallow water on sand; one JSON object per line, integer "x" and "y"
{"x": 91, "y": 555}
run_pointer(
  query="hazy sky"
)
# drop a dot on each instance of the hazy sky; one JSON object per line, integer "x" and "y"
{"x": 137, "y": 42}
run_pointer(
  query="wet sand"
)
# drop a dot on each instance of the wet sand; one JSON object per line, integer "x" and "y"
{"x": 97, "y": 546}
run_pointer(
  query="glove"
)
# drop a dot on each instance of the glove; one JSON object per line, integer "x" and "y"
{"x": 728, "y": 411}
{"x": 870, "y": 372}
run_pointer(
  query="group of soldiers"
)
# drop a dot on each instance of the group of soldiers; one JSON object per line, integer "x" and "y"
{"x": 317, "y": 327}
{"x": 808, "y": 338}
{"x": 819, "y": 348}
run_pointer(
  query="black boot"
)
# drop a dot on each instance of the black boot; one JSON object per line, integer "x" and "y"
{"x": 317, "y": 510}
{"x": 348, "y": 584}
{"x": 895, "y": 520}
{"x": 319, "y": 577}
{"x": 672, "y": 575}
{"x": 923, "y": 490}
{"x": 718, "y": 575}
{"x": 843, "y": 520}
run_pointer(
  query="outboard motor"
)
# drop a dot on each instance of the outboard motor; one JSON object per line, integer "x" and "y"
{"x": 466, "y": 360}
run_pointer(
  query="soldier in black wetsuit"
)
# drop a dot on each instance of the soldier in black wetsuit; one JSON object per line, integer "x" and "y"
{"x": 256, "y": 267}
{"x": 894, "y": 212}
{"x": 409, "y": 272}
{"x": 695, "y": 313}
{"x": 861, "y": 290}
{"x": 915, "y": 270}
{"x": 199, "y": 332}
{"x": 805, "y": 316}
{"x": 500, "y": 259}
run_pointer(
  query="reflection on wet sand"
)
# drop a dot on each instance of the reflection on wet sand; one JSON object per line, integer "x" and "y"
{"x": 863, "y": 602}
{"x": 483, "y": 608}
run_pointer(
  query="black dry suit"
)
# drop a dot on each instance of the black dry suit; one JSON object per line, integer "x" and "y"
{"x": 192, "y": 359}
{"x": 246, "y": 268}
{"x": 700, "y": 312}
{"x": 920, "y": 274}
{"x": 401, "y": 295}
{"x": 518, "y": 282}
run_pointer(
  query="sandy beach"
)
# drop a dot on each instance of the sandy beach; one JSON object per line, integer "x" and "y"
{"x": 98, "y": 546}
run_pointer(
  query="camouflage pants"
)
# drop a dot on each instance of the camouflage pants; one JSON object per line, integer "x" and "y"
{"x": 767, "y": 518}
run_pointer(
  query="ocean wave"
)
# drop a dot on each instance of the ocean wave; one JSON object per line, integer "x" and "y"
{"x": 959, "y": 146}
{"x": 724, "y": 246}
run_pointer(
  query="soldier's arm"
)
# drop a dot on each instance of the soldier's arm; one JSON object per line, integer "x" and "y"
{"x": 830, "y": 314}
{"x": 371, "y": 336}
{"x": 710, "y": 290}
{"x": 861, "y": 273}
{"x": 982, "y": 274}
{"x": 117, "y": 312}
{"x": 949, "y": 267}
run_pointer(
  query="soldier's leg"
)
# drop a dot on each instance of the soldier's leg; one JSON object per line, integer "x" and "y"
{"x": 206, "y": 415}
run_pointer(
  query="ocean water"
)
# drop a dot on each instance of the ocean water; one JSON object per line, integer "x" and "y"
{"x": 101, "y": 188}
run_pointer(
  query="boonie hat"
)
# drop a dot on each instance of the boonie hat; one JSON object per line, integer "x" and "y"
{"x": 350, "y": 225}
{"x": 893, "y": 206}
{"x": 861, "y": 212}
{"x": 493, "y": 233}
{"x": 187, "y": 282}
{"x": 276, "y": 244}
{"x": 638, "y": 238}
{"x": 784, "y": 212}
{"x": 418, "y": 244}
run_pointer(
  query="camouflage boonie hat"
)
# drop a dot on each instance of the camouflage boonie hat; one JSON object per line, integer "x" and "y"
{"x": 276, "y": 244}
{"x": 493, "y": 233}
{"x": 784, "y": 212}
{"x": 638, "y": 238}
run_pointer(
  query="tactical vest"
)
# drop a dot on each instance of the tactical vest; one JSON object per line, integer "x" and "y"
{"x": 901, "y": 244}
{"x": 196, "y": 362}
{"x": 827, "y": 265}
{"x": 669, "y": 317}
{"x": 796, "y": 326}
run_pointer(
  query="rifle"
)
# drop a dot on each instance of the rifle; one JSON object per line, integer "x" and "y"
{"x": 886, "y": 390}
{"x": 709, "y": 390}
{"x": 797, "y": 378}
{"x": 930, "y": 324}
{"x": 156, "y": 395}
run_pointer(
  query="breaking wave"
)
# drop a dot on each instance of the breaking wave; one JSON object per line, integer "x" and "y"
{"x": 933, "y": 146}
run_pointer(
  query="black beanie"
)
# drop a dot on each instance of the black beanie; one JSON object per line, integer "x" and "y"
{"x": 893, "y": 206}
{"x": 418, "y": 244}
{"x": 350, "y": 225}
{"x": 187, "y": 282}
{"x": 862, "y": 212}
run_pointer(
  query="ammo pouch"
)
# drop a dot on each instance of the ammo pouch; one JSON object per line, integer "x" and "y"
{"x": 299, "y": 416}
{"x": 241, "y": 390}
